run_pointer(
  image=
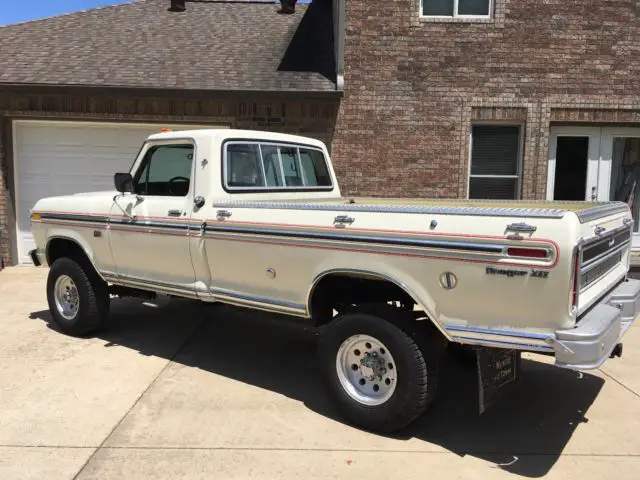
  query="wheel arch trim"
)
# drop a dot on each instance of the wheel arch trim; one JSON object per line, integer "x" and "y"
{"x": 79, "y": 243}
{"x": 380, "y": 276}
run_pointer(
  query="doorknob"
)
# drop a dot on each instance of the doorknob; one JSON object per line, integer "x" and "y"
{"x": 593, "y": 193}
{"x": 174, "y": 213}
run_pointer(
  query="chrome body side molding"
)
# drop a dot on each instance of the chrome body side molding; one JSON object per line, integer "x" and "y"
{"x": 496, "y": 211}
{"x": 599, "y": 211}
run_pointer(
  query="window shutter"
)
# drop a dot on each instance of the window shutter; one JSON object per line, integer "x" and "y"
{"x": 494, "y": 162}
{"x": 494, "y": 150}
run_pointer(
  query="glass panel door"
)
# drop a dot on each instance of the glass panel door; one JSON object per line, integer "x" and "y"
{"x": 620, "y": 170}
{"x": 574, "y": 161}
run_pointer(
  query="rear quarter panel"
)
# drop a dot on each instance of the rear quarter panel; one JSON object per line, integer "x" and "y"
{"x": 302, "y": 245}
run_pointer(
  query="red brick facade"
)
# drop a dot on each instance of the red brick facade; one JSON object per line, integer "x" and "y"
{"x": 413, "y": 87}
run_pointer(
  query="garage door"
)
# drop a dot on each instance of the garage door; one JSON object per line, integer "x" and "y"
{"x": 61, "y": 158}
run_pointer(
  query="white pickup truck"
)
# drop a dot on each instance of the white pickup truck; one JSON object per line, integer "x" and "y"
{"x": 256, "y": 219}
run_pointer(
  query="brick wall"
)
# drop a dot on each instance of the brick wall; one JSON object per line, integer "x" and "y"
{"x": 309, "y": 116}
{"x": 414, "y": 86}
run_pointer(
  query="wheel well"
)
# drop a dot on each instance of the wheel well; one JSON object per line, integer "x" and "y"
{"x": 337, "y": 291}
{"x": 64, "y": 247}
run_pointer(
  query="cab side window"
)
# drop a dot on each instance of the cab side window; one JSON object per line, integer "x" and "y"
{"x": 165, "y": 171}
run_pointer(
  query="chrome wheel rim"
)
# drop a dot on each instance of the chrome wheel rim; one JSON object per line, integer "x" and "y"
{"x": 66, "y": 297}
{"x": 366, "y": 370}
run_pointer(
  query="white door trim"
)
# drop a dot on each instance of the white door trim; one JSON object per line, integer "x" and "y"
{"x": 593, "y": 161}
{"x": 42, "y": 122}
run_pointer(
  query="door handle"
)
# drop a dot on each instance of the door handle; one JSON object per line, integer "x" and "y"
{"x": 222, "y": 214}
{"x": 174, "y": 213}
{"x": 593, "y": 193}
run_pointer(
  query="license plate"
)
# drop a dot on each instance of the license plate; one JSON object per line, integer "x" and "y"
{"x": 498, "y": 369}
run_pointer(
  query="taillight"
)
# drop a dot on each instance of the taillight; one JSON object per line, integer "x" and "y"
{"x": 527, "y": 252}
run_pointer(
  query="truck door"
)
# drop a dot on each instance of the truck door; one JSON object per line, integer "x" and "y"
{"x": 149, "y": 228}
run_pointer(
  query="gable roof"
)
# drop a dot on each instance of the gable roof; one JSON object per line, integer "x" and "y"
{"x": 213, "y": 45}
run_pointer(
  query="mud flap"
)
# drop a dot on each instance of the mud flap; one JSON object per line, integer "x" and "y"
{"x": 498, "y": 370}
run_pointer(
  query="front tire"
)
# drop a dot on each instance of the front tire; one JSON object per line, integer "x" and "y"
{"x": 375, "y": 372}
{"x": 78, "y": 298}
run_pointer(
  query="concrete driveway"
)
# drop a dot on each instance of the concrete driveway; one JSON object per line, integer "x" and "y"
{"x": 181, "y": 391}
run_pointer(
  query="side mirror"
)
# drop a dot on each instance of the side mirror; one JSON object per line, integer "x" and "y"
{"x": 123, "y": 182}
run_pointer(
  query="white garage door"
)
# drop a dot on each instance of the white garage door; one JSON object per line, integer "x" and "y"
{"x": 61, "y": 158}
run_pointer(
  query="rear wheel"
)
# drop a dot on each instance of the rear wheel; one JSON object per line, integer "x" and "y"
{"x": 376, "y": 373}
{"x": 78, "y": 298}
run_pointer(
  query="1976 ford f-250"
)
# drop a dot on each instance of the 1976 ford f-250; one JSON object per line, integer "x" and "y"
{"x": 256, "y": 219}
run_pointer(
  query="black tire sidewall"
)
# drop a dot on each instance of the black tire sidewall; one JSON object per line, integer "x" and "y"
{"x": 409, "y": 363}
{"x": 91, "y": 309}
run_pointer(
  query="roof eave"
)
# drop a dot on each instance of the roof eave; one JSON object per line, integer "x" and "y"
{"x": 149, "y": 91}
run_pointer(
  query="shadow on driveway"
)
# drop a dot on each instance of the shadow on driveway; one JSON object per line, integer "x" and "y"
{"x": 525, "y": 432}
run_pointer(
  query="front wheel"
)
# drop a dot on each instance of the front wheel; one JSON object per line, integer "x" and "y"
{"x": 78, "y": 299}
{"x": 377, "y": 375}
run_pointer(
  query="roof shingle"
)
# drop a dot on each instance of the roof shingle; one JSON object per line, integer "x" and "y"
{"x": 214, "y": 45}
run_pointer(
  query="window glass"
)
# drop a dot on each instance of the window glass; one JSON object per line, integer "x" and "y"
{"x": 473, "y": 7}
{"x": 494, "y": 162}
{"x": 434, "y": 8}
{"x": 291, "y": 167}
{"x": 493, "y": 188}
{"x": 494, "y": 150}
{"x": 315, "y": 168}
{"x": 244, "y": 166}
{"x": 268, "y": 166}
{"x": 271, "y": 162}
{"x": 166, "y": 171}
{"x": 447, "y": 8}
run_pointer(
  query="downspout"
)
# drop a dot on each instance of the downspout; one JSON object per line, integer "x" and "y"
{"x": 339, "y": 32}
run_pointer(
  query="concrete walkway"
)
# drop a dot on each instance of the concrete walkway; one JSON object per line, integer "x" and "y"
{"x": 181, "y": 391}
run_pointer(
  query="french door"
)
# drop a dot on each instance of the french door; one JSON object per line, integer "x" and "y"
{"x": 596, "y": 164}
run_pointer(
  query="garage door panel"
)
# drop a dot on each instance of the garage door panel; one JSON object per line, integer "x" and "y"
{"x": 62, "y": 158}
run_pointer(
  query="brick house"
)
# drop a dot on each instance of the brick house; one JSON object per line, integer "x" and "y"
{"x": 491, "y": 98}
{"x": 435, "y": 98}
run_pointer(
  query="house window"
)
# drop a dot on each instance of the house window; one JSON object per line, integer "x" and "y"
{"x": 456, "y": 8}
{"x": 495, "y": 162}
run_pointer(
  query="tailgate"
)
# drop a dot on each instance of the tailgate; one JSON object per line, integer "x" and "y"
{"x": 604, "y": 252}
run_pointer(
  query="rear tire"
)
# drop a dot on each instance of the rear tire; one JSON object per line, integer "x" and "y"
{"x": 385, "y": 392}
{"x": 78, "y": 298}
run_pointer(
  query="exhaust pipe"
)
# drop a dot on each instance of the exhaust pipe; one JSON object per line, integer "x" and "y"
{"x": 178, "y": 6}
{"x": 617, "y": 351}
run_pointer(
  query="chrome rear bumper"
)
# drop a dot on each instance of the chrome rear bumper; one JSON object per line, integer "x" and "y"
{"x": 595, "y": 337}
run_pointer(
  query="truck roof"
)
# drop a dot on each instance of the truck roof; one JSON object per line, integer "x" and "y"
{"x": 224, "y": 133}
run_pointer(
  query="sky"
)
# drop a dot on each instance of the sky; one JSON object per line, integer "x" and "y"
{"x": 15, "y": 11}
{"x": 24, "y": 10}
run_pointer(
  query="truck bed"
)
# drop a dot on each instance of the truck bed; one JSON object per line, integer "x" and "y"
{"x": 586, "y": 211}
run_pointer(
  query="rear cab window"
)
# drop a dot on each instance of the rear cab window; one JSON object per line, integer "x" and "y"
{"x": 272, "y": 166}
